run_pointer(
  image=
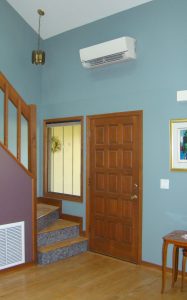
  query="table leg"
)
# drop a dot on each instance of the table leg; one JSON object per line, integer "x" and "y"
{"x": 175, "y": 261}
{"x": 183, "y": 271}
{"x": 164, "y": 261}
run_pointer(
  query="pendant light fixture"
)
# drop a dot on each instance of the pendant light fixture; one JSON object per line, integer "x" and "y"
{"x": 38, "y": 56}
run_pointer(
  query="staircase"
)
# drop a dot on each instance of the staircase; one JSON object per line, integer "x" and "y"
{"x": 18, "y": 162}
{"x": 57, "y": 239}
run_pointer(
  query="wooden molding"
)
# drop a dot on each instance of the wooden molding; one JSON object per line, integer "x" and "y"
{"x": 34, "y": 222}
{"x": 75, "y": 219}
{"x": 17, "y": 268}
{"x": 84, "y": 233}
{"x": 88, "y": 121}
{"x": 6, "y": 116}
{"x": 32, "y": 142}
{"x": 33, "y": 169}
{"x": 50, "y": 201}
{"x": 19, "y": 131}
{"x": 29, "y": 113}
{"x": 58, "y": 196}
{"x": 45, "y": 160}
{"x": 64, "y": 119}
{"x": 14, "y": 158}
{"x": 152, "y": 265}
{"x": 157, "y": 267}
{"x": 140, "y": 149}
{"x": 117, "y": 114}
{"x": 12, "y": 95}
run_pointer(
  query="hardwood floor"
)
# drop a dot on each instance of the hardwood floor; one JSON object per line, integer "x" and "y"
{"x": 88, "y": 276}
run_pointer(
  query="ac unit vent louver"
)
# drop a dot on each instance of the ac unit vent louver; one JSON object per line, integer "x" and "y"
{"x": 12, "y": 245}
{"x": 106, "y": 59}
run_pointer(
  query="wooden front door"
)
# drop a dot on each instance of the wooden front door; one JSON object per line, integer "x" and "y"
{"x": 115, "y": 184}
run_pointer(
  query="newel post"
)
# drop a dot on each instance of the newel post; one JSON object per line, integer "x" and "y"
{"x": 33, "y": 170}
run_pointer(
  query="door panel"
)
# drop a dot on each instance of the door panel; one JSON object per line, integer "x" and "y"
{"x": 115, "y": 185}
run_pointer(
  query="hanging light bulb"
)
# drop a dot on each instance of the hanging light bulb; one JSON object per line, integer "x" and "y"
{"x": 38, "y": 56}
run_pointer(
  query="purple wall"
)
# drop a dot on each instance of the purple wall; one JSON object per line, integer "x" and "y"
{"x": 16, "y": 197}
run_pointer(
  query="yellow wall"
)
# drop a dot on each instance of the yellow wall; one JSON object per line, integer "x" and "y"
{"x": 65, "y": 167}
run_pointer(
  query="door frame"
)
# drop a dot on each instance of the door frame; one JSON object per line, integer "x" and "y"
{"x": 139, "y": 114}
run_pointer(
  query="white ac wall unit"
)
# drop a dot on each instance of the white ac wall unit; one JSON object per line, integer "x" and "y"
{"x": 118, "y": 50}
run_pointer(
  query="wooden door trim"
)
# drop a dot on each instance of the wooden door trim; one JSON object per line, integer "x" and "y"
{"x": 139, "y": 114}
{"x": 53, "y": 195}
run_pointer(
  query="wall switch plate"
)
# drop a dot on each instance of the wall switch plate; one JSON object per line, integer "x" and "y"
{"x": 164, "y": 184}
{"x": 182, "y": 95}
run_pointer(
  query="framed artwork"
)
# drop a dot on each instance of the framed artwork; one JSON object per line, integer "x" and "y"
{"x": 178, "y": 145}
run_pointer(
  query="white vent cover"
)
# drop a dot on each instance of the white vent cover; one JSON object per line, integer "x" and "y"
{"x": 12, "y": 245}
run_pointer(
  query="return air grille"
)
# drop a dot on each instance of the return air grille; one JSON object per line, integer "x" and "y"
{"x": 106, "y": 59}
{"x": 12, "y": 245}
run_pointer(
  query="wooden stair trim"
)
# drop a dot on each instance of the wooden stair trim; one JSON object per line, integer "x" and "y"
{"x": 49, "y": 209}
{"x": 75, "y": 219}
{"x": 4, "y": 81}
{"x": 58, "y": 225}
{"x": 16, "y": 160}
{"x": 49, "y": 201}
{"x": 62, "y": 244}
{"x": 29, "y": 113}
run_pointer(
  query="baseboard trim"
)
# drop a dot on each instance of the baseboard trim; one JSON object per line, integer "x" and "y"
{"x": 157, "y": 267}
{"x": 152, "y": 265}
{"x": 76, "y": 219}
{"x": 19, "y": 267}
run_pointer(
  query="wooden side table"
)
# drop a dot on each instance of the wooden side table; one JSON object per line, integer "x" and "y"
{"x": 179, "y": 240}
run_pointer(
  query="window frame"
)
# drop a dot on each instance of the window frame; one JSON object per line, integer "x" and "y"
{"x": 54, "y": 195}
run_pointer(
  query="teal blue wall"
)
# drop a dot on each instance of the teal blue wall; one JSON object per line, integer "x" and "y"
{"x": 149, "y": 84}
{"x": 17, "y": 40}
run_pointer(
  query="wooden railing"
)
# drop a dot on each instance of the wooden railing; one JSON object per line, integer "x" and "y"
{"x": 11, "y": 100}
{"x": 17, "y": 118}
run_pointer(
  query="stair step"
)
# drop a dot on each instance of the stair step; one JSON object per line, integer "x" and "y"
{"x": 58, "y": 224}
{"x": 61, "y": 250}
{"x": 46, "y": 215}
{"x": 62, "y": 244}
{"x": 45, "y": 209}
{"x": 58, "y": 231}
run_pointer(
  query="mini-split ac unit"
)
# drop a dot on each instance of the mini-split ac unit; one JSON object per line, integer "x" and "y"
{"x": 118, "y": 50}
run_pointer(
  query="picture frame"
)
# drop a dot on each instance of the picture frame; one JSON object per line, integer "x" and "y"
{"x": 178, "y": 145}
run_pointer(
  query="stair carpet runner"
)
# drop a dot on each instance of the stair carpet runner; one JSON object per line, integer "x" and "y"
{"x": 57, "y": 239}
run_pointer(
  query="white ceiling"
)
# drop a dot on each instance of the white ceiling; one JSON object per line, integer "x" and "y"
{"x": 63, "y": 15}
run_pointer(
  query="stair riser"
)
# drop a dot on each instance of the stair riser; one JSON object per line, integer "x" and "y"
{"x": 47, "y": 220}
{"x": 62, "y": 253}
{"x": 49, "y": 238}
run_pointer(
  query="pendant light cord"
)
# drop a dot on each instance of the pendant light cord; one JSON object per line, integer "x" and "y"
{"x": 39, "y": 33}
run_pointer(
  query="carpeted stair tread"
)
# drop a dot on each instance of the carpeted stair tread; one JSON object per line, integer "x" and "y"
{"x": 45, "y": 209}
{"x": 66, "y": 243}
{"x": 58, "y": 224}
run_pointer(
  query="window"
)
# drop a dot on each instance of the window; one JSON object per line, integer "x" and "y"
{"x": 63, "y": 158}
